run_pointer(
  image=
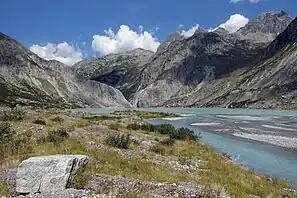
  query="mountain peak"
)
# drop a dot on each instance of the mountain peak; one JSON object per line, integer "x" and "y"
{"x": 221, "y": 31}
{"x": 265, "y": 27}
{"x": 200, "y": 30}
{"x": 176, "y": 36}
{"x": 288, "y": 37}
{"x": 278, "y": 14}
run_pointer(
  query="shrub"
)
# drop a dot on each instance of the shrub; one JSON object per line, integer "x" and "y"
{"x": 119, "y": 141}
{"x": 39, "y": 122}
{"x": 165, "y": 129}
{"x": 57, "y": 135}
{"x": 57, "y": 119}
{"x": 13, "y": 114}
{"x": 184, "y": 134}
{"x": 143, "y": 127}
{"x": 158, "y": 149}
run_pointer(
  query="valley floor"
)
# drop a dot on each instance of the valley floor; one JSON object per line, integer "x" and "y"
{"x": 129, "y": 158}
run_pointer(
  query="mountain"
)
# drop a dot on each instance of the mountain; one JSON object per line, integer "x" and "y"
{"x": 185, "y": 71}
{"x": 121, "y": 71}
{"x": 27, "y": 79}
{"x": 191, "y": 63}
{"x": 271, "y": 83}
{"x": 265, "y": 27}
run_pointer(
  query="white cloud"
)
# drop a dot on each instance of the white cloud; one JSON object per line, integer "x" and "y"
{"x": 124, "y": 40}
{"x": 190, "y": 32}
{"x": 251, "y": 1}
{"x": 62, "y": 52}
{"x": 234, "y": 23}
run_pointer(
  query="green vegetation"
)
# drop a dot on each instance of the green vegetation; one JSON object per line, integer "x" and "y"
{"x": 39, "y": 122}
{"x": 167, "y": 142}
{"x": 57, "y": 119}
{"x": 81, "y": 179}
{"x": 57, "y": 135}
{"x": 14, "y": 114}
{"x": 167, "y": 129}
{"x": 114, "y": 126}
{"x": 158, "y": 148}
{"x": 120, "y": 141}
{"x": 12, "y": 143}
{"x": 146, "y": 115}
{"x": 172, "y": 144}
{"x": 5, "y": 189}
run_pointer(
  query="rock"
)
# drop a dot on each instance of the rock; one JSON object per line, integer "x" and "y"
{"x": 48, "y": 173}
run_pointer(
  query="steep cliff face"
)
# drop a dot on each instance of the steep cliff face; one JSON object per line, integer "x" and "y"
{"x": 121, "y": 71}
{"x": 193, "y": 63}
{"x": 29, "y": 80}
{"x": 270, "y": 83}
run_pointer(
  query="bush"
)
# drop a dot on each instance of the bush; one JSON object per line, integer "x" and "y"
{"x": 39, "y": 122}
{"x": 184, "y": 134}
{"x": 158, "y": 149}
{"x": 119, "y": 141}
{"x": 165, "y": 128}
{"x": 57, "y": 135}
{"x": 57, "y": 119}
{"x": 143, "y": 127}
{"x": 13, "y": 114}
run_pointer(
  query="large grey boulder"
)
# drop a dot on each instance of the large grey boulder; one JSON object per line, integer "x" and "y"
{"x": 48, "y": 173}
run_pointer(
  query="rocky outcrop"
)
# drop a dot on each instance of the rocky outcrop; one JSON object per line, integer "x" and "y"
{"x": 268, "y": 84}
{"x": 48, "y": 173}
{"x": 265, "y": 27}
{"x": 121, "y": 71}
{"x": 27, "y": 79}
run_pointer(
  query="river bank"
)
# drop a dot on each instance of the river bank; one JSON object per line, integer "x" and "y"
{"x": 150, "y": 164}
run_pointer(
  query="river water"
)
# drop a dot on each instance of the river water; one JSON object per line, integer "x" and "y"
{"x": 274, "y": 153}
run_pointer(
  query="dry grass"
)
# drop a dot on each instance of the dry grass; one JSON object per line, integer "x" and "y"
{"x": 217, "y": 170}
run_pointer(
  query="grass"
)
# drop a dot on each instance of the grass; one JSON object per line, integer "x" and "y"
{"x": 5, "y": 189}
{"x": 13, "y": 114}
{"x": 217, "y": 169}
{"x": 39, "y": 122}
{"x": 119, "y": 141}
{"x": 81, "y": 179}
{"x": 112, "y": 163}
{"x": 236, "y": 181}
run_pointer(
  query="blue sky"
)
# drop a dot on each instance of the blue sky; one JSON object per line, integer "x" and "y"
{"x": 39, "y": 22}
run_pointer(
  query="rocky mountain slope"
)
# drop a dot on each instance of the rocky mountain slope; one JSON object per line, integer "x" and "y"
{"x": 27, "y": 79}
{"x": 271, "y": 83}
{"x": 187, "y": 67}
{"x": 121, "y": 71}
{"x": 191, "y": 63}
{"x": 265, "y": 27}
